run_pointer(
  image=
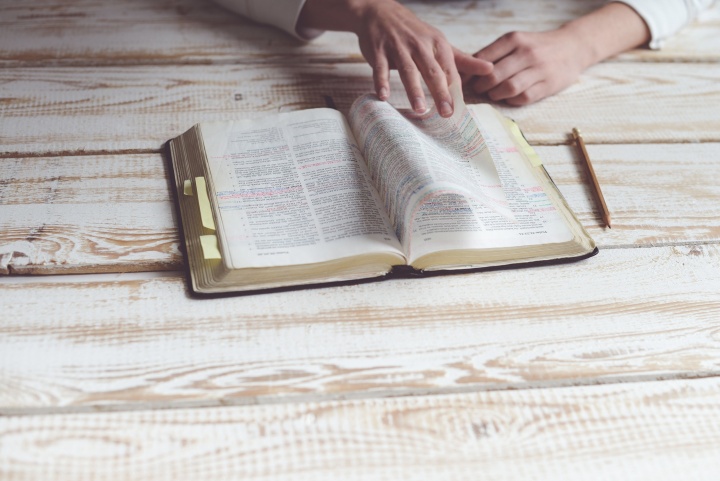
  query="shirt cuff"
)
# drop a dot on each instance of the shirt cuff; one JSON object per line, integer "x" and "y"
{"x": 278, "y": 13}
{"x": 664, "y": 18}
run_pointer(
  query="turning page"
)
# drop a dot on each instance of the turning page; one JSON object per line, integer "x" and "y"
{"x": 540, "y": 219}
{"x": 415, "y": 158}
{"x": 432, "y": 173}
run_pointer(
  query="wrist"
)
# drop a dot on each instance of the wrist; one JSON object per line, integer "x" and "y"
{"x": 590, "y": 50}
{"x": 612, "y": 29}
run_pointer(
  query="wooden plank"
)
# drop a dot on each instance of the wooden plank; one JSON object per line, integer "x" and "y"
{"x": 118, "y": 109}
{"x": 109, "y": 342}
{"x": 87, "y": 214}
{"x": 113, "y": 213}
{"x": 138, "y": 32}
{"x": 664, "y": 431}
{"x": 657, "y": 194}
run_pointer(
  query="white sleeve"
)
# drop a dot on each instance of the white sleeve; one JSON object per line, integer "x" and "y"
{"x": 278, "y": 13}
{"x": 665, "y": 17}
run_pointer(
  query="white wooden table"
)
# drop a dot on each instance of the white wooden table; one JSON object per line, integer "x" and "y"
{"x": 604, "y": 369}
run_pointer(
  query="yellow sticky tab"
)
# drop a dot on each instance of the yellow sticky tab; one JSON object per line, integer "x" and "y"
{"x": 204, "y": 203}
{"x": 523, "y": 144}
{"x": 187, "y": 187}
{"x": 209, "y": 246}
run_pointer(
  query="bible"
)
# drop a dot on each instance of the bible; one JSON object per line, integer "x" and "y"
{"x": 315, "y": 196}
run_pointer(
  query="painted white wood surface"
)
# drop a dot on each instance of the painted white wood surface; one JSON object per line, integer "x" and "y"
{"x": 70, "y": 110}
{"x": 123, "y": 77}
{"x": 663, "y": 431}
{"x": 657, "y": 193}
{"x": 142, "y": 32}
{"x": 86, "y": 214}
{"x": 87, "y": 343}
{"x": 114, "y": 213}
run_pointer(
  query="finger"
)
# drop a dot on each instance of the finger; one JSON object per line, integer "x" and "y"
{"x": 445, "y": 56}
{"x": 381, "y": 76}
{"x": 410, "y": 78}
{"x": 436, "y": 80}
{"x": 499, "y": 48}
{"x": 537, "y": 92}
{"x": 504, "y": 69}
{"x": 470, "y": 66}
{"x": 438, "y": 72}
{"x": 515, "y": 85}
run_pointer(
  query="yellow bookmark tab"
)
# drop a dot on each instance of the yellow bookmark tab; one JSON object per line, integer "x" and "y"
{"x": 204, "y": 203}
{"x": 210, "y": 247}
{"x": 187, "y": 187}
{"x": 524, "y": 146}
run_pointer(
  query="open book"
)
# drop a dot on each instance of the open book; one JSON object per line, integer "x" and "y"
{"x": 312, "y": 196}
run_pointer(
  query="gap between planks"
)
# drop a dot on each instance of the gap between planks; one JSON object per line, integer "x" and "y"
{"x": 541, "y": 143}
{"x": 13, "y": 277}
{"x": 352, "y": 58}
{"x": 659, "y": 244}
{"x": 77, "y": 153}
{"x": 359, "y": 395}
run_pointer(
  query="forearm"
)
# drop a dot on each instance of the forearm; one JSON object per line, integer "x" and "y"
{"x": 608, "y": 31}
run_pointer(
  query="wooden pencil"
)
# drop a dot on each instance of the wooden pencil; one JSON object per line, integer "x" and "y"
{"x": 599, "y": 198}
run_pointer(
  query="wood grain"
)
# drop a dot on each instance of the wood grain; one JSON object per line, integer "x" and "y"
{"x": 114, "y": 213}
{"x": 661, "y": 430}
{"x": 656, "y": 193}
{"x": 86, "y": 214}
{"x": 76, "y": 110}
{"x": 143, "y": 32}
{"x": 604, "y": 369}
{"x": 118, "y": 342}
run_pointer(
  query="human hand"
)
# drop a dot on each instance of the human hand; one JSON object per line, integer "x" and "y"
{"x": 392, "y": 37}
{"x": 530, "y": 66}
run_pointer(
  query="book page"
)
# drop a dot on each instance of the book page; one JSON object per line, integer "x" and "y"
{"x": 535, "y": 219}
{"x": 293, "y": 189}
{"x": 413, "y": 158}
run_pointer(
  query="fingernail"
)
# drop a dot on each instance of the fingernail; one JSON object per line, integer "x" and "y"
{"x": 383, "y": 93}
{"x": 445, "y": 109}
{"x": 419, "y": 104}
